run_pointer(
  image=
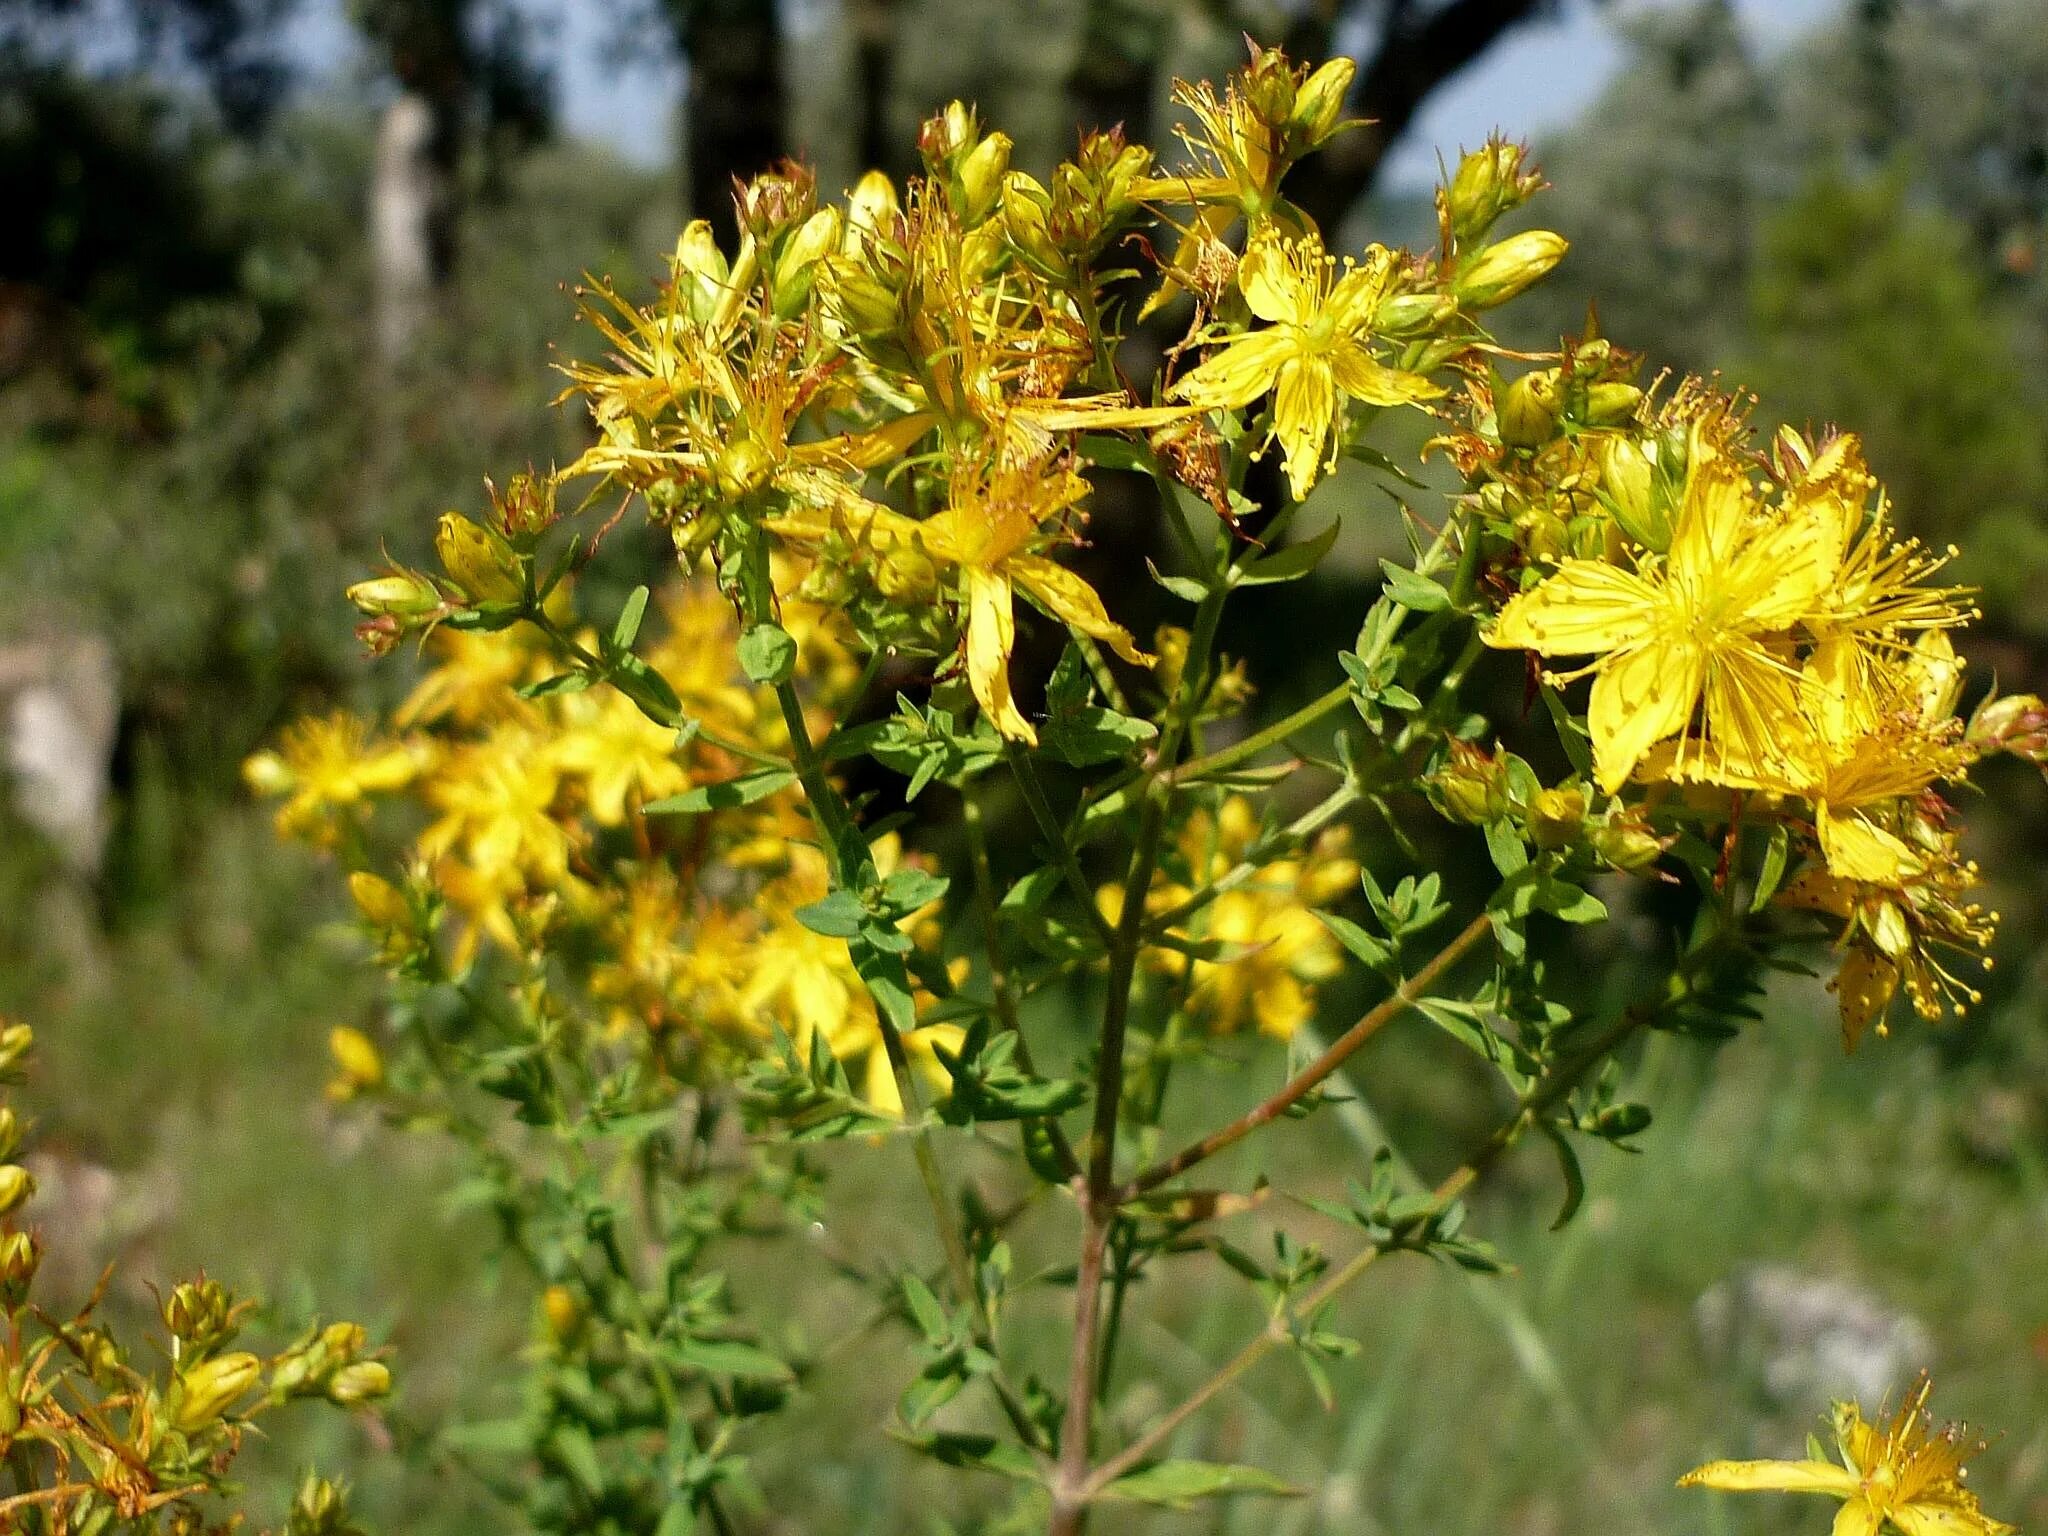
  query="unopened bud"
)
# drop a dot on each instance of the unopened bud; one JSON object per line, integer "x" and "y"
{"x": 980, "y": 177}
{"x": 320, "y": 1508}
{"x": 20, "y": 1255}
{"x": 17, "y": 1184}
{"x": 564, "y": 1313}
{"x": 1556, "y": 817}
{"x": 10, "y": 1132}
{"x": 1471, "y": 786}
{"x": 526, "y": 508}
{"x": 212, "y": 1387}
{"x": 905, "y": 573}
{"x": 1628, "y": 485}
{"x": 871, "y": 207}
{"x": 480, "y": 562}
{"x": 2016, "y": 723}
{"x": 1624, "y": 840}
{"x": 1501, "y": 271}
{"x": 1528, "y": 411}
{"x": 1609, "y": 405}
{"x": 1025, "y": 206}
{"x": 1320, "y": 101}
{"x": 363, "y": 1382}
{"x": 1489, "y": 182}
{"x": 15, "y": 1040}
{"x": 200, "y": 1315}
{"x": 1409, "y": 314}
{"x": 400, "y": 595}
{"x": 382, "y": 904}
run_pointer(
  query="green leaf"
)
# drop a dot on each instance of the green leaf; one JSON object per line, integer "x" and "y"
{"x": 976, "y": 1453}
{"x": 908, "y": 889}
{"x": 887, "y": 981}
{"x": 1182, "y": 587}
{"x": 549, "y": 687}
{"x": 627, "y": 629}
{"x": 1574, "y": 1175}
{"x": 1773, "y": 873}
{"x": 730, "y": 1357}
{"x": 1504, "y": 847}
{"x": 572, "y": 1447}
{"x": 633, "y": 677}
{"x": 1291, "y": 563}
{"x": 744, "y": 790}
{"x": 925, "y": 1307}
{"x": 767, "y": 654}
{"x": 1354, "y": 938}
{"x": 839, "y": 916}
{"x": 1418, "y": 594}
{"x": 1178, "y": 1484}
{"x": 1088, "y": 734}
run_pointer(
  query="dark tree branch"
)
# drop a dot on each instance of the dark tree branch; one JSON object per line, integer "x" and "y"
{"x": 737, "y": 111}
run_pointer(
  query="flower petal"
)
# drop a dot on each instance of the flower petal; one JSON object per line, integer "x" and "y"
{"x": 1362, "y": 378}
{"x": 1773, "y": 1477}
{"x": 1238, "y": 373}
{"x": 991, "y": 634}
{"x": 1282, "y": 279}
{"x": 1305, "y": 414}
{"x": 1586, "y": 606}
{"x": 1857, "y": 850}
{"x": 1639, "y": 698}
{"x": 1072, "y": 601}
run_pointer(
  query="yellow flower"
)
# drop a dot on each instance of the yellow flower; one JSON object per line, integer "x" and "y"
{"x": 1314, "y": 354}
{"x": 988, "y": 537}
{"x": 327, "y": 764}
{"x": 1689, "y": 627}
{"x": 623, "y": 759}
{"x": 1905, "y": 1474}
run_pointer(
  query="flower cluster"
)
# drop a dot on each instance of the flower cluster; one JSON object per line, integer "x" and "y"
{"x": 96, "y": 1437}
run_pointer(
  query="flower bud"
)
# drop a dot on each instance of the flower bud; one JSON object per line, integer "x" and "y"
{"x": 319, "y": 1508}
{"x": 1490, "y": 181}
{"x": 10, "y": 1132}
{"x": 200, "y": 1315}
{"x": 1628, "y": 483}
{"x": 1471, "y": 786}
{"x": 980, "y": 177}
{"x": 400, "y": 595}
{"x": 1610, "y": 404}
{"x": 20, "y": 1255}
{"x": 1528, "y": 413}
{"x": 1409, "y": 314}
{"x": 947, "y": 134}
{"x": 211, "y": 1388}
{"x": 871, "y": 208}
{"x": 382, "y": 904}
{"x": 481, "y": 563}
{"x": 358, "y": 1067}
{"x": 1624, "y": 839}
{"x": 1320, "y": 101}
{"x": 363, "y": 1382}
{"x": 1025, "y": 206}
{"x": 2016, "y": 723}
{"x": 1557, "y": 816}
{"x": 17, "y": 1184}
{"x": 905, "y": 574}
{"x": 1501, "y": 271}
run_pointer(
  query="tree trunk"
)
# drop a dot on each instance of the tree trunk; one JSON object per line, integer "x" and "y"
{"x": 411, "y": 238}
{"x": 735, "y": 121}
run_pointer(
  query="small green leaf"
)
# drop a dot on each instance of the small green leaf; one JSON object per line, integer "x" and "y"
{"x": 627, "y": 629}
{"x": 560, "y": 683}
{"x": 1289, "y": 564}
{"x": 1178, "y": 1484}
{"x": 1773, "y": 872}
{"x": 1418, "y": 594}
{"x": 767, "y": 654}
{"x": 1574, "y": 1175}
{"x": 1354, "y": 938}
{"x": 730, "y": 1357}
{"x": 839, "y": 916}
{"x": 744, "y": 790}
{"x": 1182, "y": 587}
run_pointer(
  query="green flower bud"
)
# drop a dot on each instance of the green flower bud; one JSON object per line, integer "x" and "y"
{"x": 1471, "y": 786}
{"x": 21, "y": 1253}
{"x": 211, "y": 1388}
{"x": 1624, "y": 840}
{"x": 980, "y": 178}
{"x": 402, "y": 595}
{"x": 1501, "y": 271}
{"x": 1629, "y": 487}
{"x": 1557, "y": 816}
{"x": 481, "y": 563}
{"x": 1489, "y": 182}
{"x": 200, "y": 1315}
{"x": 363, "y": 1382}
{"x": 320, "y": 1508}
{"x": 2016, "y": 723}
{"x": 1527, "y": 415}
{"x": 1320, "y": 101}
{"x": 17, "y": 1184}
{"x": 1609, "y": 405}
{"x": 1409, "y": 314}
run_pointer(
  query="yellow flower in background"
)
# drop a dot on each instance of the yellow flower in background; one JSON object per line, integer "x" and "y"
{"x": 1904, "y": 1473}
{"x": 496, "y": 800}
{"x": 1277, "y": 951}
{"x": 1687, "y": 628}
{"x": 1314, "y": 355}
{"x": 622, "y": 758}
{"x": 325, "y": 765}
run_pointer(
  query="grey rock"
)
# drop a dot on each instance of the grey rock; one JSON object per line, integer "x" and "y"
{"x": 1803, "y": 1339}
